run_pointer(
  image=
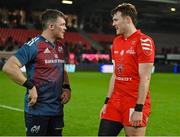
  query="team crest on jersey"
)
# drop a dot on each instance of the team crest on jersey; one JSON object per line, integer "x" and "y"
{"x": 60, "y": 49}
{"x": 47, "y": 51}
{"x": 133, "y": 42}
{"x": 35, "y": 129}
{"x": 119, "y": 69}
{"x": 147, "y": 46}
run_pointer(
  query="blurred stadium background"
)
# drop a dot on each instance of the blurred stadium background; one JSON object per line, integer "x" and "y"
{"x": 87, "y": 46}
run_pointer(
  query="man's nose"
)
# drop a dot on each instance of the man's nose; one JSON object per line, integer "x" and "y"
{"x": 65, "y": 28}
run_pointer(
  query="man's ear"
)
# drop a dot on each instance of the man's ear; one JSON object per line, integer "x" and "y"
{"x": 129, "y": 20}
{"x": 51, "y": 26}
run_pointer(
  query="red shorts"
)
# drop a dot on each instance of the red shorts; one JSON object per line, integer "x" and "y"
{"x": 120, "y": 111}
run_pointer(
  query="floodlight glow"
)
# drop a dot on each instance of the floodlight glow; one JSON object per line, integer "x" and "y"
{"x": 173, "y": 9}
{"x": 67, "y": 2}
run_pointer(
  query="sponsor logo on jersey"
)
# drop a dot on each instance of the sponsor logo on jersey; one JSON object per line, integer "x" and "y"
{"x": 47, "y": 51}
{"x": 122, "y": 52}
{"x": 146, "y": 46}
{"x": 53, "y": 61}
{"x": 124, "y": 78}
{"x": 131, "y": 51}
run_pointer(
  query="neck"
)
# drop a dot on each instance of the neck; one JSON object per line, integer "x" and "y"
{"x": 130, "y": 30}
{"x": 47, "y": 36}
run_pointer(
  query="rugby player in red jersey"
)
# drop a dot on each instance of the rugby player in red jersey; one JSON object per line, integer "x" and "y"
{"x": 128, "y": 103}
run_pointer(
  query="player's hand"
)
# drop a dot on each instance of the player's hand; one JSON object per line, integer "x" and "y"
{"x": 136, "y": 119}
{"x": 103, "y": 110}
{"x": 66, "y": 96}
{"x": 32, "y": 96}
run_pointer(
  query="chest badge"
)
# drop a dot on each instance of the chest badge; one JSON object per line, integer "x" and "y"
{"x": 60, "y": 49}
{"x": 133, "y": 42}
{"x": 119, "y": 69}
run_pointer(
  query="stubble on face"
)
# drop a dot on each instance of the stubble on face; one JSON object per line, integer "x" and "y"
{"x": 60, "y": 28}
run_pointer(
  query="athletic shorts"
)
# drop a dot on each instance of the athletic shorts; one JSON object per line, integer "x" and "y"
{"x": 121, "y": 110}
{"x": 43, "y": 125}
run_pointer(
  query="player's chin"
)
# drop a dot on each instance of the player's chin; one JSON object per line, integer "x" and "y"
{"x": 117, "y": 32}
{"x": 61, "y": 37}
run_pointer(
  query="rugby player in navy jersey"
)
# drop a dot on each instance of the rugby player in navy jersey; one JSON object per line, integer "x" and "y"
{"x": 47, "y": 83}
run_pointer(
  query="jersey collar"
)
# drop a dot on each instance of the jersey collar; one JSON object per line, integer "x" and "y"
{"x": 47, "y": 41}
{"x": 134, "y": 35}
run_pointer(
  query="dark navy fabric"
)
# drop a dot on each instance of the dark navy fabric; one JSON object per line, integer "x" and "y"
{"x": 43, "y": 125}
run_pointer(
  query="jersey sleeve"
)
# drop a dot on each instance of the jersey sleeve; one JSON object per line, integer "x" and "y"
{"x": 26, "y": 53}
{"x": 146, "y": 50}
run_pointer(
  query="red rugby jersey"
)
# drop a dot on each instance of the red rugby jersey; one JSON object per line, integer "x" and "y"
{"x": 127, "y": 54}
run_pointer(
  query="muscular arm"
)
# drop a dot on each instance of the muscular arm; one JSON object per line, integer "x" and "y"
{"x": 145, "y": 76}
{"x": 12, "y": 69}
{"x": 111, "y": 82}
{"x": 111, "y": 85}
{"x": 110, "y": 91}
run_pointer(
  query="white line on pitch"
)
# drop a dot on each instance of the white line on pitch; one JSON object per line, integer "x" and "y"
{"x": 11, "y": 108}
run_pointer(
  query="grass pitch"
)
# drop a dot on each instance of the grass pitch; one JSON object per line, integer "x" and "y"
{"x": 88, "y": 94}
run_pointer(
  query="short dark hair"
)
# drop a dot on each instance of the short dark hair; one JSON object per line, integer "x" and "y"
{"x": 126, "y": 9}
{"x": 50, "y": 15}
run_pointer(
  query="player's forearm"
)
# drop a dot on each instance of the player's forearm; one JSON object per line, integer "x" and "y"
{"x": 145, "y": 76}
{"x": 66, "y": 84}
{"x": 14, "y": 72}
{"x": 111, "y": 85}
{"x": 66, "y": 79}
{"x": 143, "y": 89}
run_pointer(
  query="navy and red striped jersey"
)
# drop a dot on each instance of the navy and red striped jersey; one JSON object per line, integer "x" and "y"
{"x": 44, "y": 64}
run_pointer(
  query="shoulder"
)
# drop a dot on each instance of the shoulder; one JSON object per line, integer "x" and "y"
{"x": 117, "y": 38}
{"x": 33, "y": 42}
{"x": 146, "y": 45}
{"x": 145, "y": 38}
{"x": 145, "y": 41}
{"x": 30, "y": 47}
